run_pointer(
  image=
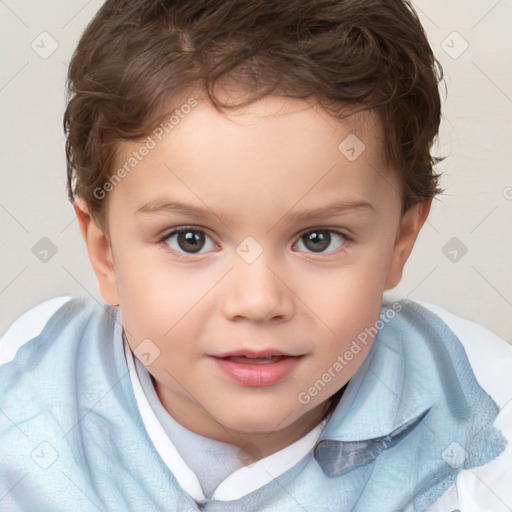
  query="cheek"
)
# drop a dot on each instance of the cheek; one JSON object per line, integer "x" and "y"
{"x": 147, "y": 293}
{"x": 348, "y": 295}
{"x": 347, "y": 304}
{"x": 352, "y": 317}
{"x": 162, "y": 301}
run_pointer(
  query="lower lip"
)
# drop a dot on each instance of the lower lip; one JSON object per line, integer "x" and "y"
{"x": 265, "y": 374}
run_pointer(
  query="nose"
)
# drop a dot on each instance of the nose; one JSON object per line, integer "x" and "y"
{"x": 257, "y": 293}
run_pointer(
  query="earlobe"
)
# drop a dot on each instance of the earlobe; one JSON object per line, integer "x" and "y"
{"x": 100, "y": 253}
{"x": 412, "y": 222}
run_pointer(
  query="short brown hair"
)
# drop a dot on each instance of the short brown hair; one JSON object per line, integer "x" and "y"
{"x": 136, "y": 55}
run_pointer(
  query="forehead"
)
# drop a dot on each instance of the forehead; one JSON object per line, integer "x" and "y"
{"x": 282, "y": 115}
{"x": 280, "y": 150}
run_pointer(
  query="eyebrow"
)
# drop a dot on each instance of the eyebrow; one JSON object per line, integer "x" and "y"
{"x": 312, "y": 214}
{"x": 329, "y": 210}
{"x": 177, "y": 207}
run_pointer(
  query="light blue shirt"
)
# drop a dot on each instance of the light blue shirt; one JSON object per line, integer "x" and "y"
{"x": 72, "y": 437}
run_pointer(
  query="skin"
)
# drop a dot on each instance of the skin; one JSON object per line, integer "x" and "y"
{"x": 250, "y": 170}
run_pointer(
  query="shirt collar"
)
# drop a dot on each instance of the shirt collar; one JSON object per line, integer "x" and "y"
{"x": 379, "y": 399}
{"x": 382, "y": 404}
{"x": 415, "y": 381}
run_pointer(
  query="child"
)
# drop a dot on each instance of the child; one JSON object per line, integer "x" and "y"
{"x": 249, "y": 177}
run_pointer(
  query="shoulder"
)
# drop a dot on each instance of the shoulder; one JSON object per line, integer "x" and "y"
{"x": 54, "y": 314}
{"x": 50, "y": 347}
{"x": 28, "y": 326}
{"x": 61, "y": 367}
{"x": 490, "y": 357}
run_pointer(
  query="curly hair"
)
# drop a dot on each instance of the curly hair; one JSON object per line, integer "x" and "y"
{"x": 137, "y": 56}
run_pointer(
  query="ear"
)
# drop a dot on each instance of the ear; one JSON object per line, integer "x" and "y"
{"x": 411, "y": 224}
{"x": 100, "y": 253}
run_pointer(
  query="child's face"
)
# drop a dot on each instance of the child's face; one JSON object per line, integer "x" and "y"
{"x": 249, "y": 188}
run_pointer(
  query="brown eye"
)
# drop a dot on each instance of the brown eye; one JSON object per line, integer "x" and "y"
{"x": 188, "y": 240}
{"x": 318, "y": 240}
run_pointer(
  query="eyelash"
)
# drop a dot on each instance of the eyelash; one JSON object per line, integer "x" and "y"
{"x": 184, "y": 229}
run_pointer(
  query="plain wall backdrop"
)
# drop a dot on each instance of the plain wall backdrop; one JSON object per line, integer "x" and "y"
{"x": 462, "y": 260}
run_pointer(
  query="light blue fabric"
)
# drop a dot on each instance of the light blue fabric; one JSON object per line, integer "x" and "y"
{"x": 71, "y": 436}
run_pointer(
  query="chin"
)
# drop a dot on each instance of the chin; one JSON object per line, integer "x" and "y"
{"x": 248, "y": 421}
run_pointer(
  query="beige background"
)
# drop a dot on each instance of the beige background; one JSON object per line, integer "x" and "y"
{"x": 474, "y": 214}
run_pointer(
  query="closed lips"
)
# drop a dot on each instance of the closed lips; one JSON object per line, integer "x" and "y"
{"x": 250, "y": 368}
